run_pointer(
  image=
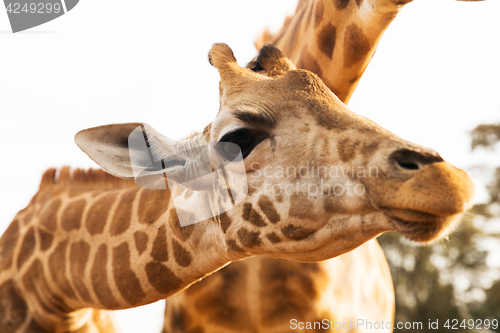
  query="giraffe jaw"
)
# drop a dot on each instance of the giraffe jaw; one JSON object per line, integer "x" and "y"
{"x": 422, "y": 227}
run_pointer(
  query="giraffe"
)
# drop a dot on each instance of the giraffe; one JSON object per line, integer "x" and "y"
{"x": 89, "y": 242}
{"x": 336, "y": 40}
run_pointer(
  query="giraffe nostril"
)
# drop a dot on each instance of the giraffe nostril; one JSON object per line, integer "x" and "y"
{"x": 408, "y": 159}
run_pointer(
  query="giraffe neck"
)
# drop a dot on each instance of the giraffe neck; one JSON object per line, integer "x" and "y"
{"x": 335, "y": 39}
{"x": 108, "y": 249}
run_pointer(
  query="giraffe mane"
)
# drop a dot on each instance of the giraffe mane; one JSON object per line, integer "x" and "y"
{"x": 267, "y": 36}
{"x": 83, "y": 178}
{"x": 192, "y": 135}
{"x": 87, "y": 178}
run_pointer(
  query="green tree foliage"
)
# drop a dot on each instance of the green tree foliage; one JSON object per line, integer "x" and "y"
{"x": 451, "y": 279}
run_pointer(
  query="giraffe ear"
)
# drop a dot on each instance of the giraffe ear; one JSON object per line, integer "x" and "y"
{"x": 272, "y": 60}
{"x": 137, "y": 150}
{"x": 108, "y": 147}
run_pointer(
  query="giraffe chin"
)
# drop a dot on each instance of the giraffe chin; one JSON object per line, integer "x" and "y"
{"x": 422, "y": 227}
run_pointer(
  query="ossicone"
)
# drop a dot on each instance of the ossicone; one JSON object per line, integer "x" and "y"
{"x": 271, "y": 60}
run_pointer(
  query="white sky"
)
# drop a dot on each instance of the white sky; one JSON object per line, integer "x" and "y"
{"x": 435, "y": 76}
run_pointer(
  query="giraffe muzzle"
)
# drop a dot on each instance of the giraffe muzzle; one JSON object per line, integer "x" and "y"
{"x": 427, "y": 205}
{"x": 437, "y": 189}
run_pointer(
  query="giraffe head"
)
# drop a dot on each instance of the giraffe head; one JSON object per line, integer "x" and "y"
{"x": 321, "y": 179}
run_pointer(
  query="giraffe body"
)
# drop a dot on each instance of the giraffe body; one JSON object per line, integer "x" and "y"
{"x": 263, "y": 294}
{"x": 89, "y": 240}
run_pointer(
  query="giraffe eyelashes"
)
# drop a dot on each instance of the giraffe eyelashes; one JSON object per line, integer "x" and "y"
{"x": 243, "y": 139}
{"x": 165, "y": 164}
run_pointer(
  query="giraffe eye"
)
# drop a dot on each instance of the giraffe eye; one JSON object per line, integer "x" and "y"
{"x": 243, "y": 140}
{"x": 230, "y": 150}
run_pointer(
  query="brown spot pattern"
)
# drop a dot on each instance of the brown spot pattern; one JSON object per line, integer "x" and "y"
{"x": 72, "y": 215}
{"x": 45, "y": 239}
{"x": 356, "y": 45}
{"x": 99, "y": 279}
{"x": 288, "y": 289}
{"x": 249, "y": 238}
{"x": 13, "y": 308}
{"x": 181, "y": 255}
{"x": 35, "y": 284}
{"x": 355, "y": 78}
{"x": 326, "y": 118}
{"x": 27, "y": 247}
{"x": 222, "y": 303}
{"x": 152, "y": 204}
{"x": 179, "y": 319}
{"x": 159, "y": 252}
{"x": 341, "y": 4}
{"x": 162, "y": 278}
{"x": 319, "y": 9}
{"x": 72, "y": 193}
{"x": 347, "y": 149}
{"x": 57, "y": 268}
{"x": 326, "y": 39}
{"x": 308, "y": 62}
{"x": 359, "y": 3}
{"x": 297, "y": 233}
{"x": 97, "y": 216}
{"x": 7, "y": 243}
{"x": 232, "y": 245}
{"x": 48, "y": 215}
{"x": 183, "y": 233}
{"x": 123, "y": 213}
{"x": 34, "y": 328}
{"x": 331, "y": 205}
{"x": 78, "y": 257}
{"x": 267, "y": 206}
{"x": 141, "y": 241}
{"x": 29, "y": 215}
{"x": 301, "y": 207}
{"x": 369, "y": 149}
{"x": 273, "y": 237}
{"x": 251, "y": 215}
{"x": 225, "y": 221}
{"x": 45, "y": 196}
{"x": 126, "y": 281}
